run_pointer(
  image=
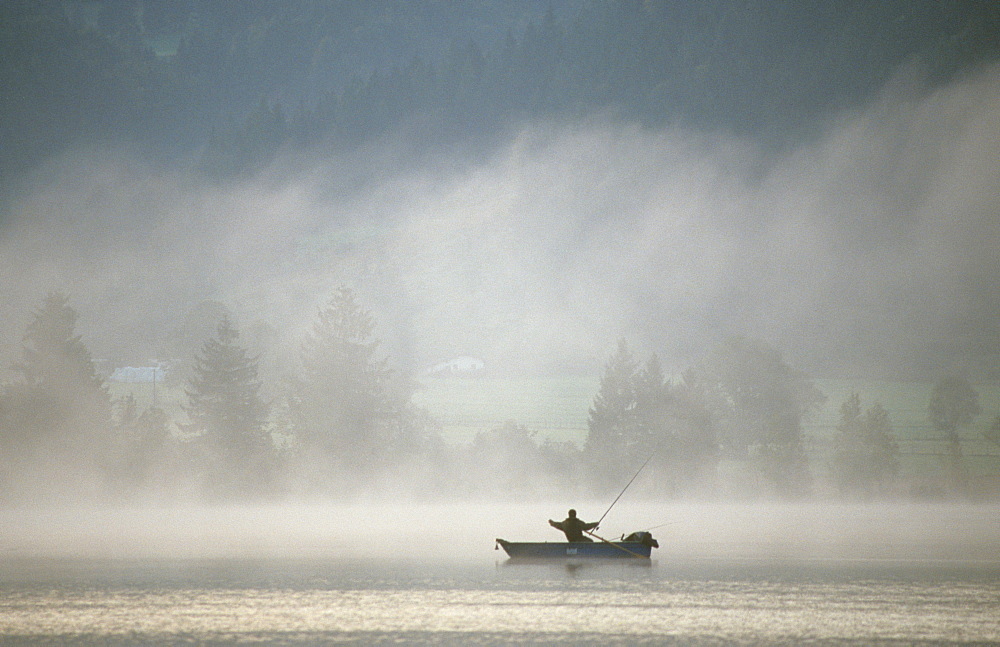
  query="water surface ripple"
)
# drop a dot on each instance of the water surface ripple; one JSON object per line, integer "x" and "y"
{"x": 700, "y": 602}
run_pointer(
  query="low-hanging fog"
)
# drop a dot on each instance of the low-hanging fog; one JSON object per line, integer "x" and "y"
{"x": 869, "y": 251}
{"x": 464, "y": 533}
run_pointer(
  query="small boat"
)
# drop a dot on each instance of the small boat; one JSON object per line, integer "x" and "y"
{"x": 638, "y": 545}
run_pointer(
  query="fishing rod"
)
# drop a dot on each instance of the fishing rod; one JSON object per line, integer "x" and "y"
{"x": 669, "y": 523}
{"x": 623, "y": 491}
{"x": 614, "y": 545}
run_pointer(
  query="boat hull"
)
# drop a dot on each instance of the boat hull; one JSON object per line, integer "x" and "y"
{"x": 578, "y": 550}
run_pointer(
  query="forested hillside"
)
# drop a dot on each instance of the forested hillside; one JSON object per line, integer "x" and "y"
{"x": 227, "y": 84}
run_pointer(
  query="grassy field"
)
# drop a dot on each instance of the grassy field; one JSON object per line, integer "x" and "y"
{"x": 555, "y": 407}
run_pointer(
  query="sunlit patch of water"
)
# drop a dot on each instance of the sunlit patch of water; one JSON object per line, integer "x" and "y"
{"x": 730, "y": 574}
{"x": 517, "y": 605}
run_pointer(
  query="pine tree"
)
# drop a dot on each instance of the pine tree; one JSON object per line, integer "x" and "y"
{"x": 143, "y": 441}
{"x": 345, "y": 405}
{"x": 866, "y": 455}
{"x": 883, "y": 450}
{"x": 227, "y": 412}
{"x": 58, "y": 407}
{"x": 59, "y": 396}
{"x": 639, "y": 415}
{"x": 759, "y": 403}
{"x": 954, "y": 404}
{"x": 653, "y": 404}
{"x": 612, "y": 425}
{"x": 687, "y": 442}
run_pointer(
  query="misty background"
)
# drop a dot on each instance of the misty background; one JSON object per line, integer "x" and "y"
{"x": 526, "y": 183}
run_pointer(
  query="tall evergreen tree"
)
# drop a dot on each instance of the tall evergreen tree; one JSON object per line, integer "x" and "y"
{"x": 652, "y": 408}
{"x": 637, "y": 415}
{"x": 226, "y": 410}
{"x": 143, "y": 443}
{"x": 58, "y": 407}
{"x": 674, "y": 426}
{"x": 612, "y": 425}
{"x": 347, "y": 410}
{"x": 688, "y": 444}
{"x": 759, "y": 403}
{"x": 866, "y": 455}
{"x": 954, "y": 404}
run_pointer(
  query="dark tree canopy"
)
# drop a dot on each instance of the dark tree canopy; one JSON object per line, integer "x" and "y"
{"x": 639, "y": 415}
{"x": 58, "y": 409}
{"x": 59, "y": 396}
{"x": 760, "y": 402}
{"x": 612, "y": 425}
{"x": 954, "y": 404}
{"x": 866, "y": 456}
{"x": 348, "y": 412}
{"x": 142, "y": 444}
{"x": 228, "y": 414}
{"x": 352, "y": 71}
{"x": 201, "y": 322}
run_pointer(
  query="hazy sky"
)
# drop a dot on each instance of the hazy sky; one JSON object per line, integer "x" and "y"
{"x": 874, "y": 248}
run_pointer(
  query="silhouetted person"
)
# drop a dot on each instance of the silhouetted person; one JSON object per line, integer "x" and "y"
{"x": 573, "y": 527}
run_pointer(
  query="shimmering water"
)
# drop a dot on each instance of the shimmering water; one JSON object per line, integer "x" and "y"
{"x": 320, "y": 573}
{"x": 488, "y": 600}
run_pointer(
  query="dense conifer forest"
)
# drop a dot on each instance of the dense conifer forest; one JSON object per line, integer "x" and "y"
{"x": 233, "y": 82}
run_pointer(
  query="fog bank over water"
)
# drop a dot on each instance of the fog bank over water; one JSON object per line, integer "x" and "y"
{"x": 465, "y": 533}
{"x": 870, "y": 251}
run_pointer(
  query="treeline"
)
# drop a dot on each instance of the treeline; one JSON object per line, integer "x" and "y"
{"x": 243, "y": 79}
{"x": 343, "y": 425}
{"x": 732, "y": 426}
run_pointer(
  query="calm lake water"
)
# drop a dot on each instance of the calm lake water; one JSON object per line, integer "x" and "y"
{"x": 699, "y": 602}
{"x": 326, "y": 575}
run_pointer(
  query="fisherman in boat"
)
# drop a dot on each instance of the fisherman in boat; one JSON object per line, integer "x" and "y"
{"x": 574, "y": 527}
